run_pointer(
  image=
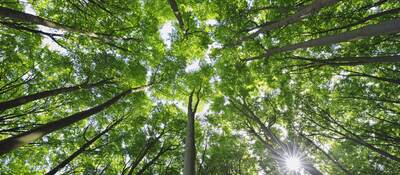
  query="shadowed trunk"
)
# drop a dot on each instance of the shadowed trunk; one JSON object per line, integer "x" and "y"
{"x": 355, "y": 137}
{"x": 389, "y": 80}
{"x": 354, "y": 61}
{"x": 383, "y": 28}
{"x": 40, "y": 95}
{"x": 370, "y": 17}
{"x": 314, "y": 7}
{"x": 14, "y": 142}
{"x": 336, "y": 162}
{"x": 152, "y": 161}
{"x": 81, "y": 149}
{"x": 189, "y": 167}
{"x": 150, "y": 144}
{"x": 268, "y": 134}
{"x": 177, "y": 13}
{"x": 28, "y": 18}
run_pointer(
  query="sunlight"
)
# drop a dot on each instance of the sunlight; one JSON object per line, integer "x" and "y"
{"x": 293, "y": 163}
{"x": 166, "y": 32}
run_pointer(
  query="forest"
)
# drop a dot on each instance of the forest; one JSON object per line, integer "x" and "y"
{"x": 200, "y": 87}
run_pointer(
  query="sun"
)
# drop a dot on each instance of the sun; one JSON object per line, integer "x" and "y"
{"x": 293, "y": 163}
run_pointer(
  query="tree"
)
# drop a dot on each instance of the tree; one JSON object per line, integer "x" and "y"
{"x": 189, "y": 166}
{"x": 248, "y": 86}
{"x": 26, "y": 99}
{"x": 14, "y": 142}
{"x": 81, "y": 149}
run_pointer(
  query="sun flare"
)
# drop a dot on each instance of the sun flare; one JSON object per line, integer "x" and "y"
{"x": 293, "y": 163}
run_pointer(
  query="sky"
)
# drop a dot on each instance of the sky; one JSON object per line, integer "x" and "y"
{"x": 46, "y": 41}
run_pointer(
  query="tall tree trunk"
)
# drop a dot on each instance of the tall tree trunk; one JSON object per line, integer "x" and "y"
{"x": 177, "y": 13}
{"x": 81, "y": 149}
{"x": 190, "y": 148}
{"x": 353, "y": 61}
{"x": 314, "y": 7}
{"x": 383, "y": 28}
{"x": 28, "y": 18}
{"x": 189, "y": 167}
{"x": 150, "y": 144}
{"x": 333, "y": 159}
{"x": 311, "y": 169}
{"x": 389, "y": 80}
{"x": 152, "y": 161}
{"x": 356, "y": 138}
{"x": 14, "y": 142}
{"x": 370, "y": 17}
{"x": 269, "y": 135}
{"x": 40, "y": 95}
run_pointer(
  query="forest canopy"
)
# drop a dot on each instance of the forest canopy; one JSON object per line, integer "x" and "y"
{"x": 208, "y": 87}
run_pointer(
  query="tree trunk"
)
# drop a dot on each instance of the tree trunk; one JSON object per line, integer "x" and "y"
{"x": 40, "y": 95}
{"x": 177, "y": 13}
{"x": 28, "y": 18}
{"x": 142, "y": 154}
{"x": 384, "y": 79}
{"x": 354, "y": 61}
{"x": 383, "y": 28}
{"x": 311, "y": 169}
{"x": 245, "y": 110}
{"x": 190, "y": 148}
{"x": 14, "y": 142}
{"x": 357, "y": 139}
{"x": 314, "y": 7}
{"x": 80, "y": 150}
{"x": 370, "y": 17}
{"x": 337, "y": 163}
{"x": 189, "y": 167}
{"x": 152, "y": 161}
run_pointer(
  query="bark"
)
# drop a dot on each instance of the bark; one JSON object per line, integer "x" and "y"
{"x": 370, "y": 17}
{"x": 269, "y": 147}
{"x": 314, "y": 7}
{"x": 27, "y": 29}
{"x": 385, "y": 100}
{"x": 311, "y": 169}
{"x": 245, "y": 110}
{"x": 150, "y": 144}
{"x": 152, "y": 161}
{"x": 40, "y": 95}
{"x": 357, "y": 139}
{"x": 337, "y": 163}
{"x": 271, "y": 136}
{"x": 14, "y": 142}
{"x": 28, "y": 18}
{"x": 389, "y": 80}
{"x": 177, "y": 13}
{"x": 354, "y": 61}
{"x": 81, "y": 149}
{"x": 383, "y": 28}
{"x": 346, "y": 61}
{"x": 190, "y": 148}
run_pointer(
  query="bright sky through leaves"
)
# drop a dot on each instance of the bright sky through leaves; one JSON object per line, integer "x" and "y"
{"x": 200, "y": 87}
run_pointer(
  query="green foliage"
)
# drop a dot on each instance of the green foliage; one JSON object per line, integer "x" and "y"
{"x": 335, "y": 114}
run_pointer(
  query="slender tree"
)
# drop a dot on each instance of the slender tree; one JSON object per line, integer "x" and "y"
{"x": 24, "y": 138}
{"x": 40, "y": 95}
{"x": 269, "y": 135}
{"x": 189, "y": 167}
{"x": 82, "y": 149}
{"x": 383, "y": 28}
{"x": 28, "y": 18}
{"x": 177, "y": 13}
{"x": 162, "y": 151}
{"x": 304, "y": 12}
{"x": 149, "y": 145}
